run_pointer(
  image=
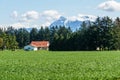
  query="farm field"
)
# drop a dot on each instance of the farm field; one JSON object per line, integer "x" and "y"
{"x": 63, "y": 65}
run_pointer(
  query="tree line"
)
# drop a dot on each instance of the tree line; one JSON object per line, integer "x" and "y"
{"x": 103, "y": 34}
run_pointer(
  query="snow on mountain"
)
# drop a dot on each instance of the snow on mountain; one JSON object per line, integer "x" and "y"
{"x": 59, "y": 22}
{"x": 73, "y": 22}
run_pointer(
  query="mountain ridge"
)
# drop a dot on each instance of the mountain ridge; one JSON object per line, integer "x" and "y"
{"x": 73, "y": 23}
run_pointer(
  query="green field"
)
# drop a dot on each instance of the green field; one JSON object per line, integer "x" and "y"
{"x": 48, "y": 65}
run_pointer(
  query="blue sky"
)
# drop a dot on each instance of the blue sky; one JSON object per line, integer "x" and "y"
{"x": 43, "y": 12}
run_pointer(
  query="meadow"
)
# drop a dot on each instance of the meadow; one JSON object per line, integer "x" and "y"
{"x": 63, "y": 65}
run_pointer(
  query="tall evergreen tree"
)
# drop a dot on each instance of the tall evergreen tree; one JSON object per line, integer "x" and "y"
{"x": 22, "y": 37}
{"x": 47, "y": 34}
{"x": 41, "y": 34}
{"x": 10, "y": 30}
{"x": 33, "y": 34}
{"x": 116, "y": 34}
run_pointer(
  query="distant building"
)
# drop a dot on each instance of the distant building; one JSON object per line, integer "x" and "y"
{"x": 37, "y": 45}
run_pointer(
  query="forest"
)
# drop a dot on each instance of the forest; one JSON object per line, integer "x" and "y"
{"x": 103, "y": 34}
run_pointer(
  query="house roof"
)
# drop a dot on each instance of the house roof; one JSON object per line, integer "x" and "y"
{"x": 40, "y": 43}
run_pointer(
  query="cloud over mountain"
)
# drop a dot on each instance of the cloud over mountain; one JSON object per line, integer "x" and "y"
{"x": 51, "y": 14}
{"x": 110, "y": 5}
{"x": 82, "y": 17}
{"x": 48, "y": 18}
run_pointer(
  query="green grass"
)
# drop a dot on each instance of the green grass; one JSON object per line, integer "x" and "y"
{"x": 48, "y": 65}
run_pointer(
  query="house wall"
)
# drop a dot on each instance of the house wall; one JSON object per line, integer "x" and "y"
{"x": 35, "y": 49}
{"x": 43, "y": 48}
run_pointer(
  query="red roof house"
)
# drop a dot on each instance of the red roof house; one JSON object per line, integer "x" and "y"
{"x": 38, "y": 45}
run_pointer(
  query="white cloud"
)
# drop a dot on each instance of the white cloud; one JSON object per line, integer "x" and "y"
{"x": 14, "y": 14}
{"x": 15, "y": 25}
{"x": 29, "y": 16}
{"x": 34, "y": 18}
{"x": 20, "y": 25}
{"x": 73, "y": 18}
{"x": 110, "y": 5}
{"x": 50, "y": 15}
{"x": 46, "y": 24}
{"x": 82, "y": 17}
{"x": 25, "y": 25}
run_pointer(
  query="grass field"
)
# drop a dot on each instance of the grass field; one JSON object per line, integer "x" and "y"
{"x": 48, "y": 65}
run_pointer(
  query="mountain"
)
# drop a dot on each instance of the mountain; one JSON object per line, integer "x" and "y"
{"x": 60, "y": 22}
{"x": 73, "y": 23}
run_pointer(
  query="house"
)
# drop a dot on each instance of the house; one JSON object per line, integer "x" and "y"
{"x": 37, "y": 45}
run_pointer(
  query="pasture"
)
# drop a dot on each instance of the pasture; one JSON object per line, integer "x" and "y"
{"x": 63, "y": 65}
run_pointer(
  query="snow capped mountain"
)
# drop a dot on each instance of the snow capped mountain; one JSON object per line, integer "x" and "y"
{"x": 59, "y": 22}
{"x": 73, "y": 22}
